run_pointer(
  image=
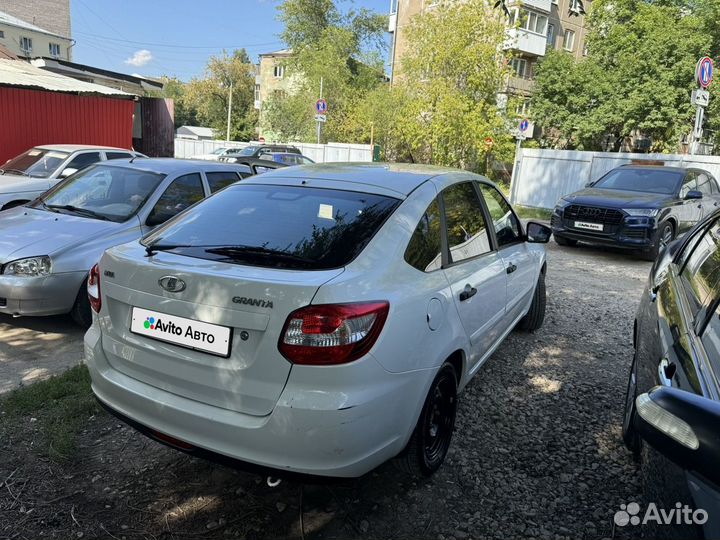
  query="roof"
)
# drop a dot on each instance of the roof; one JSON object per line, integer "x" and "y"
{"x": 7, "y": 53}
{"x": 23, "y": 75}
{"x": 198, "y": 130}
{"x": 172, "y": 165}
{"x": 49, "y": 62}
{"x": 402, "y": 178}
{"x": 6, "y": 18}
{"x": 282, "y": 52}
{"x": 76, "y": 147}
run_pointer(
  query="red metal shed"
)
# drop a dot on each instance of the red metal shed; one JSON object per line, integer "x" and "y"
{"x": 38, "y": 107}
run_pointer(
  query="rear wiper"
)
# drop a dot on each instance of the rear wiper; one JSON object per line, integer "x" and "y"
{"x": 152, "y": 248}
{"x": 240, "y": 252}
{"x": 75, "y": 209}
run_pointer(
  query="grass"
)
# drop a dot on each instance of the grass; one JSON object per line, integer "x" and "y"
{"x": 527, "y": 212}
{"x": 61, "y": 406}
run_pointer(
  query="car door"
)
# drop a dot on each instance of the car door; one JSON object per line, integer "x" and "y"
{"x": 474, "y": 269}
{"x": 180, "y": 194}
{"x": 219, "y": 179}
{"x": 707, "y": 186}
{"x": 76, "y": 163}
{"x": 519, "y": 263}
{"x": 689, "y": 210}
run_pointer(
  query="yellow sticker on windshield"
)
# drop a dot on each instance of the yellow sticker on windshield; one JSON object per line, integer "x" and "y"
{"x": 326, "y": 211}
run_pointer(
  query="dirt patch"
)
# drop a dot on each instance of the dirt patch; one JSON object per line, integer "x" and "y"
{"x": 536, "y": 453}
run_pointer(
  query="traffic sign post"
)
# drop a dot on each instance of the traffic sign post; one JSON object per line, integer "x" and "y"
{"x": 321, "y": 109}
{"x": 701, "y": 98}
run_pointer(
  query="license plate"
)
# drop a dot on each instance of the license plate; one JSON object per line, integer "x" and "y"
{"x": 198, "y": 335}
{"x": 589, "y": 226}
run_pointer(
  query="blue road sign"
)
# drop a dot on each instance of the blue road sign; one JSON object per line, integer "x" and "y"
{"x": 321, "y": 106}
{"x": 704, "y": 71}
{"x": 524, "y": 125}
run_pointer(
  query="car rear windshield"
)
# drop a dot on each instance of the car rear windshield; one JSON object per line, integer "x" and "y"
{"x": 644, "y": 180}
{"x": 277, "y": 226}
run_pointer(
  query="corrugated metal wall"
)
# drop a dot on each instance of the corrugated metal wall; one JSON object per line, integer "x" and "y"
{"x": 541, "y": 177}
{"x": 33, "y": 117}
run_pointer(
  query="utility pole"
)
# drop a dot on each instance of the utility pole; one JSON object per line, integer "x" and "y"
{"x": 227, "y": 136}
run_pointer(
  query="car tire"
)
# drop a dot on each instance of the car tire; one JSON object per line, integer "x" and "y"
{"x": 430, "y": 440}
{"x": 630, "y": 436}
{"x": 81, "y": 312}
{"x": 665, "y": 234}
{"x": 536, "y": 315}
{"x": 560, "y": 241}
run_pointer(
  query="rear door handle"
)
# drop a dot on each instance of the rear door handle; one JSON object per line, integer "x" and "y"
{"x": 468, "y": 293}
{"x": 510, "y": 269}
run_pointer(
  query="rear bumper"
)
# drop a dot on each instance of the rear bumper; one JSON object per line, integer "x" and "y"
{"x": 315, "y": 429}
{"x": 637, "y": 233}
{"x": 49, "y": 295}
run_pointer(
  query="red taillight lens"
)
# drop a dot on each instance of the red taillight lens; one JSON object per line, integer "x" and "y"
{"x": 331, "y": 334}
{"x": 93, "y": 289}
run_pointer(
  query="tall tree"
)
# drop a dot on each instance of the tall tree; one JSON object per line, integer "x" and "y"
{"x": 209, "y": 96}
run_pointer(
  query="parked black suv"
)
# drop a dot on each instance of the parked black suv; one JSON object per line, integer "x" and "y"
{"x": 640, "y": 207}
{"x": 257, "y": 151}
{"x": 672, "y": 405}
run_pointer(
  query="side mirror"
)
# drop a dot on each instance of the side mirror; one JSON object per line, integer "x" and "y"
{"x": 537, "y": 233}
{"x": 693, "y": 194}
{"x": 683, "y": 427}
{"x": 67, "y": 172}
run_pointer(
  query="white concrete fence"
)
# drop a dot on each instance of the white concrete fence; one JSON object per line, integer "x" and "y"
{"x": 541, "y": 177}
{"x": 320, "y": 153}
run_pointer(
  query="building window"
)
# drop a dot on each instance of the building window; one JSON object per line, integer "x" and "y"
{"x": 551, "y": 36}
{"x": 393, "y": 6}
{"x": 279, "y": 71}
{"x": 569, "y": 42}
{"x": 2, "y": 34}
{"x": 26, "y": 45}
{"x": 257, "y": 92}
{"x": 529, "y": 20}
{"x": 523, "y": 108}
{"x": 54, "y": 49}
{"x": 520, "y": 67}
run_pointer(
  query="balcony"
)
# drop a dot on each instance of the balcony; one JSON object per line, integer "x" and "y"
{"x": 520, "y": 86}
{"x": 525, "y": 41}
{"x": 540, "y": 5}
{"x": 392, "y": 22}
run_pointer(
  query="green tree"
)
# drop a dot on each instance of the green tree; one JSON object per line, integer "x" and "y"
{"x": 185, "y": 115}
{"x": 209, "y": 96}
{"x": 636, "y": 79}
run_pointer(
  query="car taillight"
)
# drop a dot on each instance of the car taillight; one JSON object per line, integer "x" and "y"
{"x": 93, "y": 289}
{"x": 331, "y": 334}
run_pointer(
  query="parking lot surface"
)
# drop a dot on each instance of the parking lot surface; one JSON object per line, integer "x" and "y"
{"x": 536, "y": 453}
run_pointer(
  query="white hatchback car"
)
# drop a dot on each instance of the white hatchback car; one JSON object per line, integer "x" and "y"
{"x": 317, "y": 319}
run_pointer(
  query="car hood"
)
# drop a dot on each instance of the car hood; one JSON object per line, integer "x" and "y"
{"x": 28, "y": 232}
{"x": 615, "y": 198}
{"x": 14, "y": 183}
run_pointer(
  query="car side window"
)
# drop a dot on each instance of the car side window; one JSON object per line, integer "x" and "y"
{"x": 182, "y": 193}
{"x": 83, "y": 160}
{"x": 466, "y": 228}
{"x": 118, "y": 155}
{"x": 704, "y": 184}
{"x": 711, "y": 341}
{"x": 424, "y": 250}
{"x": 219, "y": 180}
{"x": 701, "y": 272}
{"x": 689, "y": 184}
{"x": 505, "y": 222}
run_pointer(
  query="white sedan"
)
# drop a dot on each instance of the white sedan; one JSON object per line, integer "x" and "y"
{"x": 318, "y": 319}
{"x": 29, "y": 175}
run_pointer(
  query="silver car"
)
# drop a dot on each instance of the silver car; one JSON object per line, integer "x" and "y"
{"x": 30, "y": 174}
{"x": 48, "y": 246}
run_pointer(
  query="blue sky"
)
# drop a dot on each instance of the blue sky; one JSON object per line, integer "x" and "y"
{"x": 176, "y": 37}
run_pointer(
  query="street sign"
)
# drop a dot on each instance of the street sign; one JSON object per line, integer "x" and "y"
{"x": 261, "y": 140}
{"x": 524, "y": 125}
{"x": 700, "y": 98}
{"x": 489, "y": 141}
{"x": 704, "y": 71}
{"x": 320, "y": 118}
{"x": 321, "y": 106}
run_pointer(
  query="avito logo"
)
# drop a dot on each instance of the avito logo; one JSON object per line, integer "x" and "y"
{"x": 172, "y": 328}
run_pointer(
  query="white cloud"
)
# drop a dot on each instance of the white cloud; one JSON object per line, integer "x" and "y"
{"x": 140, "y": 58}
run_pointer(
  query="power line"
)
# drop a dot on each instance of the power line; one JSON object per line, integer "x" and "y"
{"x": 176, "y": 46}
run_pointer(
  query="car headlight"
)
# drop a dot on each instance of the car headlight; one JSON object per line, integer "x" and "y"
{"x": 30, "y": 267}
{"x": 644, "y": 212}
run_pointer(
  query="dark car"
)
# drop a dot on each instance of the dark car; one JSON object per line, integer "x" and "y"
{"x": 258, "y": 150}
{"x": 672, "y": 405}
{"x": 259, "y": 165}
{"x": 636, "y": 207}
{"x": 288, "y": 158}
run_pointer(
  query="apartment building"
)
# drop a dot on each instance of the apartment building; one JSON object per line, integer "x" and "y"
{"x": 270, "y": 76}
{"x": 534, "y": 27}
{"x": 28, "y": 40}
{"x": 51, "y": 15}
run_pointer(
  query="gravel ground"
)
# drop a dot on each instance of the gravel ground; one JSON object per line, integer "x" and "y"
{"x": 536, "y": 453}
